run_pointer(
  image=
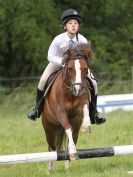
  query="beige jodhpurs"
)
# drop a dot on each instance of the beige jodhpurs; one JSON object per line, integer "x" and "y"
{"x": 51, "y": 67}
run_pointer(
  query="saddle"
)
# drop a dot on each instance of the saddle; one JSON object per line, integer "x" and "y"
{"x": 53, "y": 76}
{"x": 50, "y": 81}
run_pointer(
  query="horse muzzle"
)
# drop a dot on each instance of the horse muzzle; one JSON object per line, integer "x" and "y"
{"x": 77, "y": 89}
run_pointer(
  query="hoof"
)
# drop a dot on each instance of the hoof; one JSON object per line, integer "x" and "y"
{"x": 86, "y": 129}
{"x": 49, "y": 172}
{"x": 74, "y": 156}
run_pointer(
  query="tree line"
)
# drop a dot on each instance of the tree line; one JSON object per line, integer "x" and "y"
{"x": 27, "y": 28}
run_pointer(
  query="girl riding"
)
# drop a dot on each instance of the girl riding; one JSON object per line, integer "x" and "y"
{"x": 70, "y": 21}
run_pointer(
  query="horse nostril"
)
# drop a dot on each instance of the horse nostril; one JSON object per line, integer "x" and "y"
{"x": 77, "y": 88}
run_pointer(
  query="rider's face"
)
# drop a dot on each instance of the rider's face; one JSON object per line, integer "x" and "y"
{"x": 72, "y": 26}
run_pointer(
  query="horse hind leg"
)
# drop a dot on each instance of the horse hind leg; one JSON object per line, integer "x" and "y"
{"x": 54, "y": 139}
{"x": 67, "y": 164}
{"x": 50, "y": 164}
{"x": 50, "y": 168}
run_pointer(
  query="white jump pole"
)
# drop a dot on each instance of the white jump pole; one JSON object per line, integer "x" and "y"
{"x": 28, "y": 158}
{"x": 63, "y": 155}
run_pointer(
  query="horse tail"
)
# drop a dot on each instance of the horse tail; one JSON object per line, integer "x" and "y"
{"x": 60, "y": 141}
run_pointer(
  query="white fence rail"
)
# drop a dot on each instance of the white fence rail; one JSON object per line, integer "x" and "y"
{"x": 63, "y": 155}
{"x": 108, "y": 103}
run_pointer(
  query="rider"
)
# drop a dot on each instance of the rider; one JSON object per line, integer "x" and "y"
{"x": 70, "y": 21}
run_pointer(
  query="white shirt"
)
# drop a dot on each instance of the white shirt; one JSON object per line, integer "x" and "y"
{"x": 59, "y": 46}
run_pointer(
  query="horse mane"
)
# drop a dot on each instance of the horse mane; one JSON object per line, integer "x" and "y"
{"x": 82, "y": 50}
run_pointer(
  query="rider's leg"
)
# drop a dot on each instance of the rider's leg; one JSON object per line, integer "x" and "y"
{"x": 95, "y": 116}
{"x": 36, "y": 112}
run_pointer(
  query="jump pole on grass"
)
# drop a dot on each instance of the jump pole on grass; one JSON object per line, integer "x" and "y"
{"x": 63, "y": 155}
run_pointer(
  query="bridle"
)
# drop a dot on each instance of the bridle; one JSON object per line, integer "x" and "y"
{"x": 67, "y": 79}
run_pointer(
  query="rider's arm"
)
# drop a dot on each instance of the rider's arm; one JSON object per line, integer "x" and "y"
{"x": 54, "y": 53}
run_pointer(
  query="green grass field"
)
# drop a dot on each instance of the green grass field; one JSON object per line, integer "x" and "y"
{"x": 21, "y": 135}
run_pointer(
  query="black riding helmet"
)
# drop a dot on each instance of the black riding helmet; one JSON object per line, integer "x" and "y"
{"x": 68, "y": 15}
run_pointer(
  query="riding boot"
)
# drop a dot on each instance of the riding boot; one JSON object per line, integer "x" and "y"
{"x": 95, "y": 116}
{"x": 36, "y": 112}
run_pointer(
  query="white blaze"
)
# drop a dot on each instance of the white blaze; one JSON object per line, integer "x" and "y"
{"x": 78, "y": 75}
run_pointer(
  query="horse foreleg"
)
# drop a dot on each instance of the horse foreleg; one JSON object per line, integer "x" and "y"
{"x": 86, "y": 123}
{"x": 71, "y": 146}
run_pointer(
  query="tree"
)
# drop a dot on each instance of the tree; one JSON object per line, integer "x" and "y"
{"x": 26, "y": 29}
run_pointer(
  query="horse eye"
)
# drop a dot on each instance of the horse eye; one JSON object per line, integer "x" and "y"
{"x": 69, "y": 68}
{"x": 86, "y": 70}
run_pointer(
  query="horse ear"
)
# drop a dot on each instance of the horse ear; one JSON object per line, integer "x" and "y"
{"x": 69, "y": 51}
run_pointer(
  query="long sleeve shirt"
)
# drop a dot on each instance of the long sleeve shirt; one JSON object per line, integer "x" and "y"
{"x": 59, "y": 46}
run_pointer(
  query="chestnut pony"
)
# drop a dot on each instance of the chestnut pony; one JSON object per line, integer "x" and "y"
{"x": 66, "y": 105}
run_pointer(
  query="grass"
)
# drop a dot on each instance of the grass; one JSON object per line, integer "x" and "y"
{"x": 20, "y": 135}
